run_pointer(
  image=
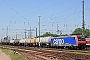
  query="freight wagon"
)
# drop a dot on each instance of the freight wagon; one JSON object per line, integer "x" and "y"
{"x": 5, "y": 42}
{"x": 30, "y": 42}
{"x": 16, "y": 41}
{"x": 0, "y": 41}
{"x": 11, "y": 42}
{"x": 22, "y": 42}
{"x": 44, "y": 41}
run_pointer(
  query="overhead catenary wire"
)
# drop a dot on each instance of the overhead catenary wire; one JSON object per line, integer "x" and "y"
{"x": 34, "y": 7}
{"x": 25, "y": 18}
{"x": 15, "y": 11}
{"x": 46, "y": 8}
{"x": 65, "y": 17}
{"x": 23, "y": 11}
{"x": 71, "y": 14}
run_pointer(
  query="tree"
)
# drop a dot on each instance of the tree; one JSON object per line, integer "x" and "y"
{"x": 48, "y": 34}
{"x": 87, "y": 33}
{"x": 79, "y": 31}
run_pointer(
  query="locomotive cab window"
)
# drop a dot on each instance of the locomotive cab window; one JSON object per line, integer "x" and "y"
{"x": 81, "y": 39}
{"x": 74, "y": 38}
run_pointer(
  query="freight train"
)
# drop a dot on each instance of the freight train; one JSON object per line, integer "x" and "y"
{"x": 71, "y": 42}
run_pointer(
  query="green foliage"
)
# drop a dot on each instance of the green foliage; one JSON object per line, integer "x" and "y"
{"x": 79, "y": 31}
{"x": 87, "y": 33}
{"x": 48, "y": 34}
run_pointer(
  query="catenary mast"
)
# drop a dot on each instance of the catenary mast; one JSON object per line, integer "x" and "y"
{"x": 83, "y": 23}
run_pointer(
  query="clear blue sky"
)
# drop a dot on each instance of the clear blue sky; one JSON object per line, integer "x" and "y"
{"x": 19, "y": 15}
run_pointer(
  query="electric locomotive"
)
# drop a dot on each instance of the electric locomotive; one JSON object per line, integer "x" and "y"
{"x": 71, "y": 42}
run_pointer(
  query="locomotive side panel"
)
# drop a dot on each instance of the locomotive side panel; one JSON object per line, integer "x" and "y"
{"x": 65, "y": 41}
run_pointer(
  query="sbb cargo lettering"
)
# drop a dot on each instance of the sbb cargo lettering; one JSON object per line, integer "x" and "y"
{"x": 58, "y": 41}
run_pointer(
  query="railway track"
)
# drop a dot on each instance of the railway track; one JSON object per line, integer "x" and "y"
{"x": 51, "y": 53}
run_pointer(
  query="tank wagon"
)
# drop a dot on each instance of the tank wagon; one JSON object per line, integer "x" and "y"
{"x": 30, "y": 42}
{"x": 11, "y": 42}
{"x": 22, "y": 42}
{"x": 5, "y": 42}
{"x": 71, "y": 42}
{"x": 44, "y": 41}
{"x": 0, "y": 41}
{"x": 16, "y": 41}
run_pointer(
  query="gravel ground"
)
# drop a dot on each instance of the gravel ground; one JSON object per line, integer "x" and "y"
{"x": 45, "y": 55}
{"x": 3, "y": 56}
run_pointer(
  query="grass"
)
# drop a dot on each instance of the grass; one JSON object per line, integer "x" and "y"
{"x": 13, "y": 56}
